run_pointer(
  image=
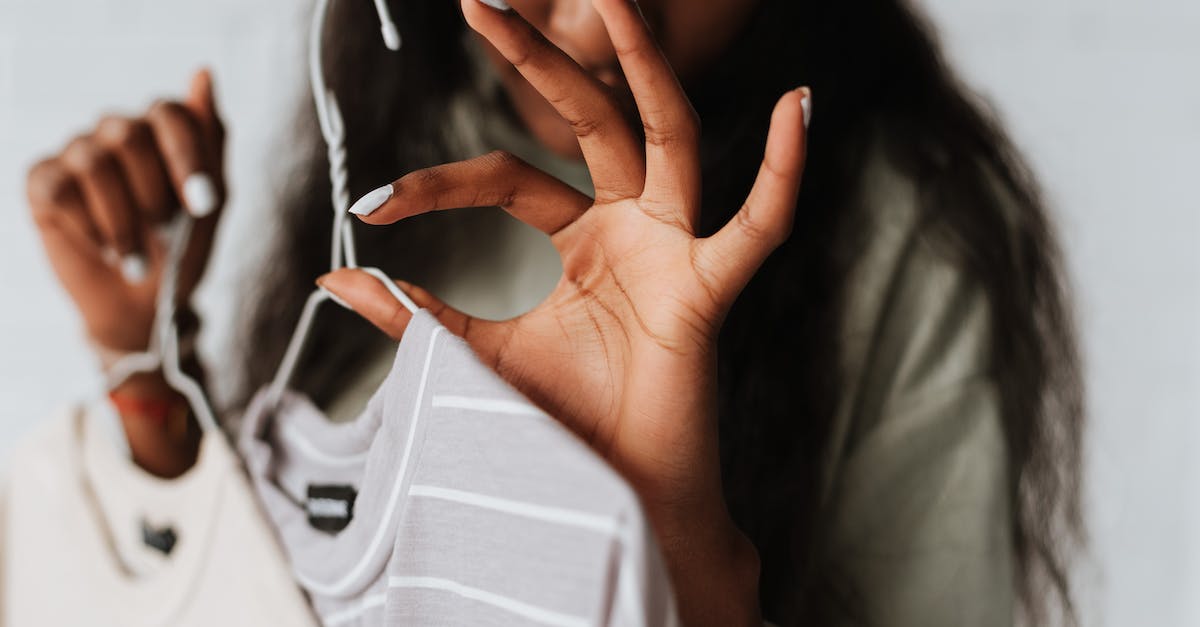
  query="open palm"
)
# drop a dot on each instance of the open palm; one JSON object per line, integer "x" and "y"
{"x": 623, "y": 351}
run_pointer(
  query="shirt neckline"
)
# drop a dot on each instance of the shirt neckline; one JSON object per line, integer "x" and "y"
{"x": 119, "y": 494}
{"x": 385, "y": 437}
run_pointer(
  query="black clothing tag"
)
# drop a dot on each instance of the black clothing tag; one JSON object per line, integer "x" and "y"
{"x": 330, "y": 507}
{"x": 161, "y": 539}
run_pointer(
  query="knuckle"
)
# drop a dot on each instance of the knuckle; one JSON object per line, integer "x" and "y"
{"x": 751, "y": 227}
{"x": 591, "y": 120}
{"x": 633, "y": 50}
{"x": 48, "y": 184}
{"x": 531, "y": 47}
{"x": 427, "y": 179}
{"x": 509, "y": 171}
{"x": 421, "y": 187}
{"x": 164, "y": 110}
{"x": 584, "y": 127}
{"x": 122, "y": 132}
{"x": 685, "y": 131}
{"x": 85, "y": 156}
{"x": 503, "y": 161}
{"x": 661, "y": 136}
{"x": 500, "y": 158}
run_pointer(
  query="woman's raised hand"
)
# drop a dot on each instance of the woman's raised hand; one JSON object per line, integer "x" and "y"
{"x": 99, "y": 202}
{"x": 624, "y": 350}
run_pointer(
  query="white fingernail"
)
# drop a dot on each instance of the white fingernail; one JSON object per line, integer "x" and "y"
{"x": 806, "y": 105}
{"x": 371, "y": 202}
{"x": 200, "y": 195}
{"x": 133, "y": 267}
{"x": 499, "y": 5}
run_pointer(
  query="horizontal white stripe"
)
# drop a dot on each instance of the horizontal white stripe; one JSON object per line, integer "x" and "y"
{"x": 494, "y": 405}
{"x": 376, "y": 544}
{"x": 555, "y": 515}
{"x": 520, "y": 608}
{"x": 351, "y": 613}
{"x": 309, "y": 450}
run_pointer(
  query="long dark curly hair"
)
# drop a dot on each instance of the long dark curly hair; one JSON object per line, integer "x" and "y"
{"x": 881, "y": 81}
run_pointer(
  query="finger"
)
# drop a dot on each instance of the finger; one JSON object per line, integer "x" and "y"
{"x": 365, "y": 295}
{"x": 609, "y": 146}
{"x": 132, "y": 142}
{"x": 108, "y": 201}
{"x": 190, "y": 137}
{"x": 497, "y": 179}
{"x": 72, "y": 241}
{"x": 671, "y": 125}
{"x": 730, "y": 257}
{"x": 201, "y": 102}
{"x": 189, "y": 164}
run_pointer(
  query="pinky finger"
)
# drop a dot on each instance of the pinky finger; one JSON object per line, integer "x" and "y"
{"x": 729, "y": 258}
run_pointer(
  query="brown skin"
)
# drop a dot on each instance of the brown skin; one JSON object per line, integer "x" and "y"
{"x": 623, "y": 351}
{"x": 691, "y": 34}
{"x": 632, "y": 326}
{"x": 108, "y": 190}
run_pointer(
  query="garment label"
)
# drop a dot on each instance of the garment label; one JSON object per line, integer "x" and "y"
{"x": 161, "y": 539}
{"x": 330, "y": 507}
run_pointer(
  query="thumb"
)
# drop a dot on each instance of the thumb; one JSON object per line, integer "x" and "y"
{"x": 369, "y": 298}
{"x": 201, "y": 102}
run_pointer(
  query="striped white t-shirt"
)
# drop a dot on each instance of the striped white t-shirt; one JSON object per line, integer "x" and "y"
{"x": 452, "y": 501}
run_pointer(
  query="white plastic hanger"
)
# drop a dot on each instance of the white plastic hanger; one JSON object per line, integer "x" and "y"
{"x": 163, "y": 351}
{"x": 169, "y": 335}
{"x": 164, "y": 336}
{"x": 342, "y": 248}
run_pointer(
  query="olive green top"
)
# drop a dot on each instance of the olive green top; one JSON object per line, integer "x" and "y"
{"x": 916, "y": 479}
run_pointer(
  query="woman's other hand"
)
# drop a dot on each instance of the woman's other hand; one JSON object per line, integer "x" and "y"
{"x": 100, "y": 203}
{"x": 624, "y": 350}
{"x": 100, "y": 206}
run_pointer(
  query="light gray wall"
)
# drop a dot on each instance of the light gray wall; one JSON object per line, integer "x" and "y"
{"x": 1101, "y": 95}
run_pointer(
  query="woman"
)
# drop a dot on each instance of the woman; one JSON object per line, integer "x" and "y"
{"x": 880, "y": 425}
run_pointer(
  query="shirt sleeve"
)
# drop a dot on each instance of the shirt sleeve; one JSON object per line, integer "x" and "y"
{"x": 918, "y": 501}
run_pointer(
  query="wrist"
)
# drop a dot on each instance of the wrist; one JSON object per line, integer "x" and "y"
{"x": 163, "y": 437}
{"x": 715, "y": 571}
{"x": 122, "y": 360}
{"x": 162, "y": 432}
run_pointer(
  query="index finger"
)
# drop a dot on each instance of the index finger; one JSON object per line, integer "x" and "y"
{"x": 609, "y": 145}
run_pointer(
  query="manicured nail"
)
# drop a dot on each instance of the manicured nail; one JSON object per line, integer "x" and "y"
{"x": 371, "y": 202}
{"x": 133, "y": 267}
{"x": 806, "y": 105}
{"x": 200, "y": 195}
{"x": 499, "y": 5}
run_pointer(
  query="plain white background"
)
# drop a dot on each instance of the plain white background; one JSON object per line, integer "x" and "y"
{"x": 1101, "y": 95}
